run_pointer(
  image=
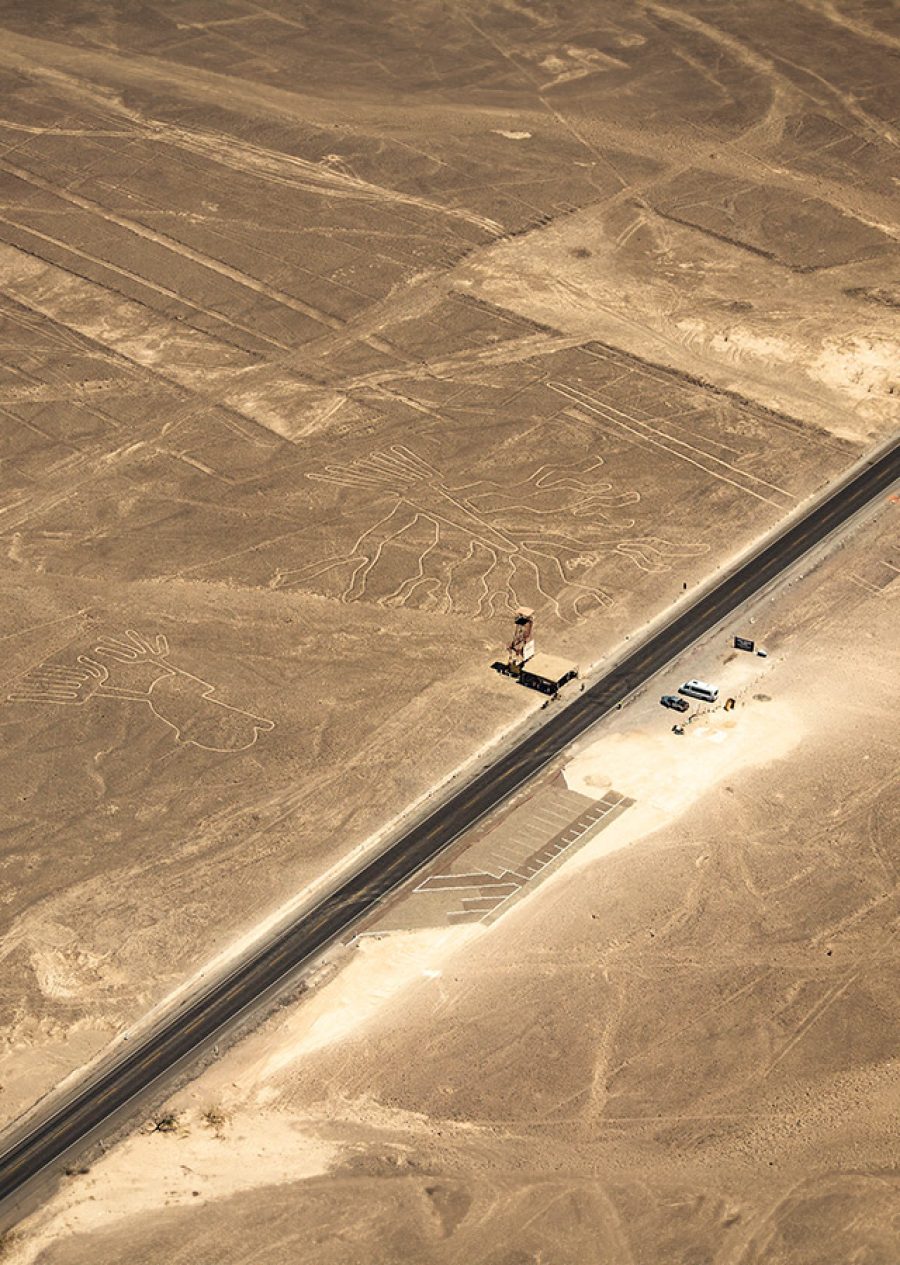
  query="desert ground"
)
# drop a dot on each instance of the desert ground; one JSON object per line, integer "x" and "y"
{"x": 678, "y": 1045}
{"x": 333, "y": 333}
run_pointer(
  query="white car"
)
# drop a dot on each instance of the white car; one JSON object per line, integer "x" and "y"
{"x": 700, "y": 689}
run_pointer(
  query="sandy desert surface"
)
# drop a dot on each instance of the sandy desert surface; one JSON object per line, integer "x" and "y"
{"x": 332, "y": 334}
{"x": 678, "y": 1046}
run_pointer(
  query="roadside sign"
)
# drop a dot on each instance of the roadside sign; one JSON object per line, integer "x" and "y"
{"x": 744, "y": 643}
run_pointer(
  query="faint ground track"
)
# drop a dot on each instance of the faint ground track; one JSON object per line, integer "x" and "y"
{"x": 317, "y": 177}
{"x": 511, "y": 351}
{"x": 148, "y": 284}
{"x": 335, "y": 180}
{"x": 321, "y": 178}
{"x": 645, "y": 433}
{"x": 40, "y": 392}
{"x": 482, "y": 544}
{"x": 854, "y": 23}
{"x": 136, "y": 669}
{"x": 70, "y": 69}
{"x": 780, "y": 85}
{"x": 177, "y": 248}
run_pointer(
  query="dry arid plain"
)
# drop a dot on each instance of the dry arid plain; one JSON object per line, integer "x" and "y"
{"x": 333, "y": 333}
{"x": 679, "y": 1046}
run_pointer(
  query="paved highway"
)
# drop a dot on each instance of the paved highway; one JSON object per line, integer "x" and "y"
{"x": 145, "y": 1063}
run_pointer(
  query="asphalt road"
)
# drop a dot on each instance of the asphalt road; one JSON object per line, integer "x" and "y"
{"x": 145, "y": 1063}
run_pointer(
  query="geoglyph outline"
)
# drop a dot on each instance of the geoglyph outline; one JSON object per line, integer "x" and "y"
{"x": 88, "y": 678}
{"x": 504, "y": 543}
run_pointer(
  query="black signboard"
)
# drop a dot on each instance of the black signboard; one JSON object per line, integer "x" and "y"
{"x": 744, "y": 643}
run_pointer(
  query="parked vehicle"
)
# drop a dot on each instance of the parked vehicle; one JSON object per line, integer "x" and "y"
{"x": 700, "y": 689}
{"x": 677, "y": 704}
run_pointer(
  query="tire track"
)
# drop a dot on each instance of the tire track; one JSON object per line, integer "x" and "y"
{"x": 209, "y": 369}
{"x": 626, "y": 422}
{"x": 143, "y": 281}
{"x": 175, "y": 247}
{"x": 825, "y": 1003}
{"x": 36, "y": 57}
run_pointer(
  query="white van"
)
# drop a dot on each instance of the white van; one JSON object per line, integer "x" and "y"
{"x": 699, "y": 689}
